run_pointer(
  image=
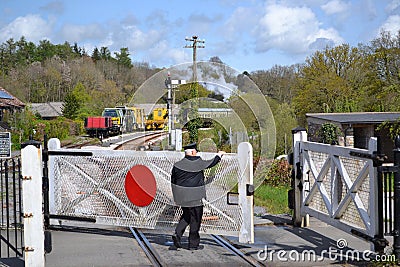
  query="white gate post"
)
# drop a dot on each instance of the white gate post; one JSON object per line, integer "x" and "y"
{"x": 32, "y": 199}
{"x": 246, "y": 190}
{"x": 299, "y": 134}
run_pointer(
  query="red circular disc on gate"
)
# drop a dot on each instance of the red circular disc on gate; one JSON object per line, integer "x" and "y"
{"x": 140, "y": 185}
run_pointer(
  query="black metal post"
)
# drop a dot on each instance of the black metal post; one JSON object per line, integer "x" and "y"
{"x": 45, "y": 184}
{"x": 48, "y": 247}
{"x": 7, "y": 205}
{"x": 396, "y": 188}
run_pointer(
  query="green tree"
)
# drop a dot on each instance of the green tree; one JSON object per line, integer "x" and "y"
{"x": 329, "y": 133}
{"x": 45, "y": 50}
{"x": 285, "y": 121}
{"x": 70, "y": 106}
{"x": 186, "y": 92}
{"x": 123, "y": 58}
{"x": 194, "y": 123}
{"x": 96, "y": 54}
{"x": 328, "y": 82}
{"x": 74, "y": 102}
{"x": 382, "y": 90}
{"x": 105, "y": 53}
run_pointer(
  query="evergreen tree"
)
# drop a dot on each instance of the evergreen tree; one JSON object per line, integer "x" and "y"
{"x": 70, "y": 106}
{"x": 96, "y": 54}
{"x": 105, "y": 53}
{"x": 74, "y": 102}
{"x": 123, "y": 58}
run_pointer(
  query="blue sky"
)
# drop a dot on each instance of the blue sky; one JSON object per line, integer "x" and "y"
{"x": 246, "y": 35}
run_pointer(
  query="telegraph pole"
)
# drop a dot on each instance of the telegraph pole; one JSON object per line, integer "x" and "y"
{"x": 194, "y": 124}
{"x": 196, "y": 43}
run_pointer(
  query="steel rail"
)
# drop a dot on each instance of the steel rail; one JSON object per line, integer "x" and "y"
{"x": 226, "y": 244}
{"x": 145, "y": 137}
{"x": 144, "y": 243}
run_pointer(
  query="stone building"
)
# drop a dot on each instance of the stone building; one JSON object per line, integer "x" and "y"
{"x": 9, "y": 104}
{"x": 356, "y": 128}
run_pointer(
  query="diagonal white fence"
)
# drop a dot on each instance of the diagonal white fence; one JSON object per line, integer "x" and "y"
{"x": 337, "y": 187}
{"x": 93, "y": 187}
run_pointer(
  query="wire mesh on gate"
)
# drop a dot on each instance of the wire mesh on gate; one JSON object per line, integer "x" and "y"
{"x": 352, "y": 166}
{"x": 93, "y": 187}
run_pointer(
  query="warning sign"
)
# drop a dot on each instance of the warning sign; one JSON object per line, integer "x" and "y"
{"x": 5, "y": 145}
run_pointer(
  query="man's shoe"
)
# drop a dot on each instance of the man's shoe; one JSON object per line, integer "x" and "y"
{"x": 177, "y": 241}
{"x": 199, "y": 247}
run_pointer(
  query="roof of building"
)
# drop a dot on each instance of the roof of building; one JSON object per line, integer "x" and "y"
{"x": 48, "y": 110}
{"x": 356, "y": 117}
{"x": 7, "y": 100}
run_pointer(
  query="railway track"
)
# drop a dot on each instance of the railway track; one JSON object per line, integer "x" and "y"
{"x": 134, "y": 141}
{"x": 217, "y": 251}
{"x": 143, "y": 142}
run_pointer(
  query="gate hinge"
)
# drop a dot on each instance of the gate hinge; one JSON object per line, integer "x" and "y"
{"x": 29, "y": 249}
{"x": 27, "y": 215}
{"x": 25, "y": 178}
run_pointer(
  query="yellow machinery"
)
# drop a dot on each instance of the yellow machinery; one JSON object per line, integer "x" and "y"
{"x": 158, "y": 119}
{"x": 139, "y": 116}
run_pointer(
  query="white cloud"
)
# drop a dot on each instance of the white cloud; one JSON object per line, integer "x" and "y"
{"x": 292, "y": 30}
{"x": 392, "y": 24}
{"x": 78, "y": 33}
{"x": 33, "y": 27}
{"x": 393, "y": 6}
{"x": 138, "y": 39}
{"x": 241, "y": 21}
{"x": 335, "y": 7}
{"x": 161, "y": 52}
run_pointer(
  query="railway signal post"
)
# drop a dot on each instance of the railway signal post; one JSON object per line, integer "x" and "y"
{"x": 172, "y": 85}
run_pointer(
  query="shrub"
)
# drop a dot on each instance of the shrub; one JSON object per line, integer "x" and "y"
{"x": 279, "y": 173}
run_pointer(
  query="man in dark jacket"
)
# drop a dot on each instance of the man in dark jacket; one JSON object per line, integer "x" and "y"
{"x": 188, "y": 189}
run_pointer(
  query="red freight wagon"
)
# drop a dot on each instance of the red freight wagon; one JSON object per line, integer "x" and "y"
{"x": 98, "y": 126}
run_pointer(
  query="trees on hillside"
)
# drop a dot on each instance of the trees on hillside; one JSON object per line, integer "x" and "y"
{"x": 349, "y": 79}
{"x": 48, "y": 72}
{"x": 384, "y": 72}
{"x": 335, "y": 79}
{"x": 328, "y": 81}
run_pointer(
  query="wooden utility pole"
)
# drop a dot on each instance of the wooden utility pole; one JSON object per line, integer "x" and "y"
{"x": 195, "y": 123}
{"x": 196, "y": 43}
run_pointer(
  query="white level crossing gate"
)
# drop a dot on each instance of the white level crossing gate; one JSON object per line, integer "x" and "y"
{"x": 92, "y": 187}
{"x": 336, "y": 184}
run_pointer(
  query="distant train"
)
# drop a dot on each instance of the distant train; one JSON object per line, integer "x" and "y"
{"x": 114, "y": 121}
{"x": 122, "y": 119}
{"x": 158, "y": 119}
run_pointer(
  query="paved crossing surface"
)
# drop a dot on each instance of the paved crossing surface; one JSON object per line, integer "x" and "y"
{"x": 277, "y": 243}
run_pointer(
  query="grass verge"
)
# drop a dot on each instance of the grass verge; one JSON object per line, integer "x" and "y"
{"x": 273, "y": 198}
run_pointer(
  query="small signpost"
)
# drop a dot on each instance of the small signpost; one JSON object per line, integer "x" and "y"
{"x": 5, "y": 145}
